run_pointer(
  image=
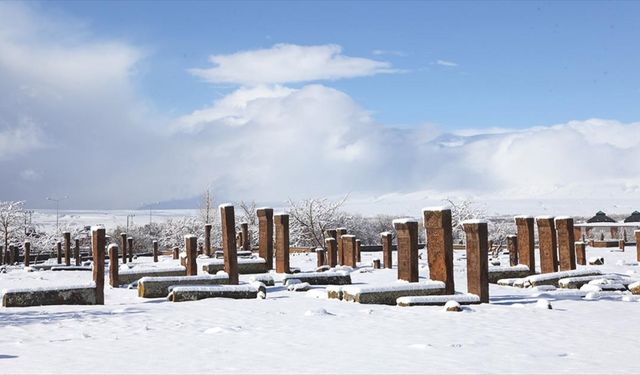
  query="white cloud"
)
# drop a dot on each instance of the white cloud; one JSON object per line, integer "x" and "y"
{"x": 446, "y": 63}
{"x": 288, "y": 63}
{"x": 380, "y": 52}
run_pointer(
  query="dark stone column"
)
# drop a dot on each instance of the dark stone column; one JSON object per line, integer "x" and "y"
{"x": 228, "y": 219}
{"x": 98, "y": 243}
{"x": 207, "y": 240}
{"x": 67, "y": 248}
{"x": 637, "y": 234}
{"x": 155, "y": 251}
{"x": 130, "y": 248}
{"x": 476, "y": 234}
{"x": 246, "y": 241}
{"x": 339, "y": 233}
{"x": 265, "y": 235}
{"x": 526, "y": 242}
{"x": 191, "y": 248}
{"x": 566, "y": 243}
{"x": 358, "y": 256}
{"x": 407, "y": 238}
{"x": 27, "y": 253}
{"x": 512, "y": 247}
{"x": 123, "y": 243}
{"x": 76, "y": 252}
{"x": 332, "y": 251}
{"x": 320, "y": 254}
{"x": 548, "y": 244}
{"x": 387, "y": 238}
{"x": 437, "y": 223}
{"x": 282, "y": 243}
{"x": 581, "y": 257}
{"x": 59, "y": 251}
{"x": 113, "y": 265}
{"x": 349, "y": 249}
{"x": 176, "y": 252}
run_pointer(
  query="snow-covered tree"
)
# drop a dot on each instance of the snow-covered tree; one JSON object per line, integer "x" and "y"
{"x": 310, "y": 218}
{"x": 207, "y": 208}
{"x": 11, "y": 220}
{"x": 465, "y": 209}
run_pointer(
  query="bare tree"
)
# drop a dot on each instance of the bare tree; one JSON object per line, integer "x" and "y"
{"x": 207, "y": 212}
{"x": 10, "y": 220}
{"x": 310, "y": 218}
{"x": 460, "y": 211}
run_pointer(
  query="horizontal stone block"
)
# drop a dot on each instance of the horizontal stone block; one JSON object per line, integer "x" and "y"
{"x": 321, "y": 278}
{"x": 70, "y": 295}
{"x": 195, "y": 293}
{"x": 498, "y": 273}
{"x": 385, "y": 295}
{"x": 71, "y": 268}
{"x": 463, "y": 299}
{"x": 133, "y": 275}
{"x": 635, "y": 287}
{"x": 155, "y": 287}
{"x": 245, "y": 266}
{"x": 553, "y": 278}
{"x": 578, "y": 282}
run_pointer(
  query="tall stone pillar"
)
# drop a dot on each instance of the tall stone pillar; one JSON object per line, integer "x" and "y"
{"x": 265, "y": 235}
{"x": 228, "y": 219}
{"x": 339, "y": 233}
{"x": 191, "y": 248}
{"x": 349, "y": 250}
{"x": 320, "y": 257}
{"x": 246, "y": 241}
{"x": 98, "y": 243}
{"x": 332, "y": 251}
{"x": 637, "y": 234}
{"x": 76, "y": 252}
{"x": 282, "y": 243}
{"x": 113, "y": 265}
{"x": 27, "y": 253}
{"x": 526, "y": 242}
{"x": 176, "y": 253}
{"x": 130, "y": 248}
{"x": 439, "y": 235}
{"x": 407, "y": 238}
{"x": 67, "y": 248}
{"x": 581, "y": 256}
{"x": 123, "y": 243}
{"x": 59, "y": 251}
{"x": 207, "y": 240}
{"x": 155, "y": 251}
{"x": 358, "y": 249}
{"x": 512, "y": 247}
{"x": 331, "y": 233}
{"x": 477, "y": 237}
{"x": 548, "y": 244}
{"x": 387, "y": 238}
{"x": 566, "y": 243}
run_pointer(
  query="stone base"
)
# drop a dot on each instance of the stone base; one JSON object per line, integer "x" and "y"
{"x": 553, "y": 278}
{"x": 75, "y": 295}
{"x": 463, "y": 299}
{"x": 385, "y": 295}
{"x": 498, "y": 273}
{"x": 195, "y": 293}
{"x": 578, "y": 282}
{"x": 321, "y": 278}
{"x": 71, "y": 268}
{"x": 155, "y": 287}
{"x": 131, "y": 276}
{"x": 245, "y": 266}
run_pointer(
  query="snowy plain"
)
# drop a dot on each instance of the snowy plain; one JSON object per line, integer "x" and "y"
{"x": 303, "y": 332}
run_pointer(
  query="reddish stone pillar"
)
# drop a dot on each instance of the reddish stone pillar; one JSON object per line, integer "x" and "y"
{"x": 59, "y": 251}
{"x": 331, "y": 233}
{"x": 228, "y": 219}
{"x": 130, "y": 248}
{"x": 239, "y": 240}
{"x": 349, "y": 250}
{"x": 376, "y": 264}
{"x": 637, "y": 234}
{"x": 155, "y": 251}
{"x": 548, "y": 244}
{"x": 282, "y": 243}
{"x": 407, "y": 238}
{"x": 566, "y": 243}
{"x": 332, "y": 251}
{"x": 76, "y": 252}
{"x": 512, "y": 247}
{"x": 320, "y": 257}
{"x": 526, "y": 242}
{"x": 246, "y": 241}
{"x": 439, "y": 234}
{"x": 387, "y": 238}
{"x": 27, "y": 251}
{"x": 339, "y": 233}
{"x": 621, "y": 244}
{"x": 265, "y": 235}
{"x": 113, "y": 265}
{"x": 191, "y": 248}
{"x": 176, "y": 252}
{"x": 98, "y": 243}
{"x": 577, "y": 233}
{"x": 476, "y": 234}
{"x": 123, "y": 243}
{"x": 358, "y": 248}
{"x": 207, "y": 240}
{"x": 67, "y": 248}
{"x": 581, "y": 257}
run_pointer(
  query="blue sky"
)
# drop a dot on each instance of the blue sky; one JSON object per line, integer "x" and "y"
{"x": 519, "y": 64}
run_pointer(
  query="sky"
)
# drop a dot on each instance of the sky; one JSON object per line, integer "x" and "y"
{"x": 121, "y": 104}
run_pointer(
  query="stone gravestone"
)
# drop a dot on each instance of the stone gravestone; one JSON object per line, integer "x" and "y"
{"x": 548, "y": 244}
{"x": 98, "y": 243}
{"x": 282, "y": 243}
{"x": 476, "y": 234}
{"x": 526, "y": 242}
{"x": 332, "y": 251}
{"x": 349, "y": 250}
{"x": 265, "y": 235}
{"x": 439, "y": 235}
{"x": 228, "y": 219}
{"x": 512, "y": 247}
{"x": 407, "y": 238}
{"x": 566, "y": 243}
{"x": 386, "y": 238}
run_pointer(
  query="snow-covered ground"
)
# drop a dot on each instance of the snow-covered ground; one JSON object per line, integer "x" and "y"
{"x": 303, "y": 332}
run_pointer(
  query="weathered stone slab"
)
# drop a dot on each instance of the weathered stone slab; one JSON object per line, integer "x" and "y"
{"x": 635, "y": 287}
{"x": 498, "y": 273}
{"x": 133, "y": 275}
{"x": 578, "y": 282}
{"x": 321, "y": 278}
{"x": 70, "y": 295}
{"x": 385, "y": 295}
{"x": 195, "y": 293}
{"x": 244, "y": 266}
{"x": 463, "y": 299}
{"x": 155, "y": 287}
{"x": 553, "y": 278}
{"x": 70, "y": 268}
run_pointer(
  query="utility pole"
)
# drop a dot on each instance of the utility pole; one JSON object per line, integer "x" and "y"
{"x": 130, "y": 216}
{"x": 57, "y": 200}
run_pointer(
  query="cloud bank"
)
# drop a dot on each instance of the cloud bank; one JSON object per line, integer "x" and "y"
{"x": 72, "y": 123}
